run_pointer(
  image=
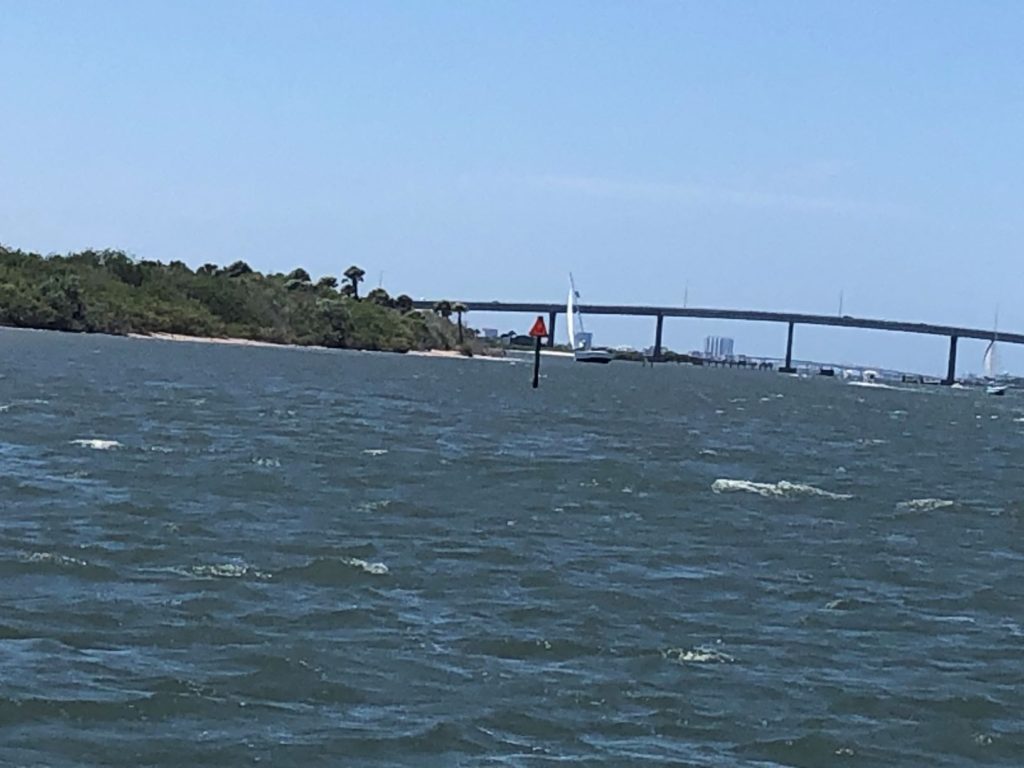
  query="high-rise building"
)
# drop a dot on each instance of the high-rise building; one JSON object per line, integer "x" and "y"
{"x": 718, "y": 347}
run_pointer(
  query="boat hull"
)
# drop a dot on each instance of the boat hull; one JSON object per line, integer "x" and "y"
{"x": 592, "y": 356}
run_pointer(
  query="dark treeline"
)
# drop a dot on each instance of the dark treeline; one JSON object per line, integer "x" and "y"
{"x": 109, "y": 292}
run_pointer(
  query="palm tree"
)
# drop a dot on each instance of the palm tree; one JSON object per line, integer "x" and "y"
{"x": 444, "y": 309}
{"x": 355, "y": 276}
{"x": 459, "y": 308}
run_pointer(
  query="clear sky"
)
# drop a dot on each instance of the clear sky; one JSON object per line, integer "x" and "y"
{"x": 764, "y": 155}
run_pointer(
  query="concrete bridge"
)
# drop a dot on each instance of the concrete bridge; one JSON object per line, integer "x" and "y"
{"x": 791, "y": 319}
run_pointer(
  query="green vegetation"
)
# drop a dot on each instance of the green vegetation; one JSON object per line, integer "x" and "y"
{"x": 109, "y": 292}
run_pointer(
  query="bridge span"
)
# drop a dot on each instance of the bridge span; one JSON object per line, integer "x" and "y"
{"x": 790, "y": 319}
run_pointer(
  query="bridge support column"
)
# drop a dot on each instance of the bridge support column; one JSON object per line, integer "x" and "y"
{"x": 551, "y": 328}
{"x": 656, "y": 357}
{"x": 951, "y": 367}
{"x": 788, "y": 367}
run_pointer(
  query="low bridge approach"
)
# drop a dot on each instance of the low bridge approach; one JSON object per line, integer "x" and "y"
{"x": 790, "y": 319}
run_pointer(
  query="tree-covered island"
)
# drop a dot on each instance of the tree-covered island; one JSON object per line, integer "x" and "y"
{"x": 107, "y": 291}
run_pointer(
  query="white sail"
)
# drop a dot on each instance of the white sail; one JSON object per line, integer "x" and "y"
{"x": 990, "y": 362}
{"x": 578, "y": 336}
{"x": 580, "y": 341}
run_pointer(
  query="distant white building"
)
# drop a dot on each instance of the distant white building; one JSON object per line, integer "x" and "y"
{"x": 718, "y": 347}
{"x": 488, "y": 333}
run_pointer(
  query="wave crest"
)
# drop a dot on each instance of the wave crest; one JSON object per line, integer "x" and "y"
{"x": 226, "y": 571}
{"x": 96, "y": 443}
{"x": 924, "y": 505}
{"x": 697, "y": 655}
{"x": 781, "y": 489}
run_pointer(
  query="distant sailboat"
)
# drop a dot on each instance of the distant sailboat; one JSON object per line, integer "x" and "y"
{"x": 990, "y": 364}
{"x": 579, "y": 338}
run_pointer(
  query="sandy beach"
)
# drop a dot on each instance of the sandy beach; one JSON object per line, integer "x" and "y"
{"x": 216, "y": 340}
{"x": 179, "y": 337}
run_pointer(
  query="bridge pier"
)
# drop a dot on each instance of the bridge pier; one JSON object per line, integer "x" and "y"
{"x": 951, "y": 367}
{"x": 551, "y": 328}
{"x": 656, "y": 357}
{"x": 788, "y": 367}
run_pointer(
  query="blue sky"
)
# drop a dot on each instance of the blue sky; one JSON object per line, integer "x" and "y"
{"x": 757, "y": 154}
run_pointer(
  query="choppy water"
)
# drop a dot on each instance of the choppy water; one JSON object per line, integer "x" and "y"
{"x": 220, "y": 556}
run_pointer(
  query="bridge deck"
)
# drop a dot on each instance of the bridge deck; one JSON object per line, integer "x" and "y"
{"x": 742, "y": 314}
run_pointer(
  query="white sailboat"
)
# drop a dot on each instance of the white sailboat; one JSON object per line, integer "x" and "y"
{"x": 990, "y": 364}
{"x": 579, "y": 339}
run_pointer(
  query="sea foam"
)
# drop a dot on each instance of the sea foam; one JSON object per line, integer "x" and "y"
{"x": 226, "y": 571}
{"x": 781, "y": 489}
{"x": 97, "y": 444}
{"x": 55, "y": 559}
{"x": 924, "y": 505}
{"x": 697, "y": 655}
{"x": 376, "y": 569}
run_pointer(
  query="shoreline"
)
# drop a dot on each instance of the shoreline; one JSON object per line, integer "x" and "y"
{"x": 512, "y": 356}
{"x": 240, "y": 342}
{"x": 232, "y": 340}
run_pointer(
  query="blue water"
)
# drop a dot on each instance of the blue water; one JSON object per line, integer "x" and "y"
{"x": 217, "y": 555}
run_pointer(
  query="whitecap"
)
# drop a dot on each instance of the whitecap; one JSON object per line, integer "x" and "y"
{"x": 226, "y": 571}
{"x": 266, "y": 462}
{"x": 955, "y": 619}
{"x": 97, "y": 444}
{"x": 376, "y": 569}
{"x": 781, "y": 489}
{"x": 375, "y": 451}
{"x": 840, "y": 604}
{"x": 50, "y": 557}
{"x": 697, "y": 655}
{"x": 373, "y": 506}
{"x": 924, "y": 505}
{"x": 707, "y": 452}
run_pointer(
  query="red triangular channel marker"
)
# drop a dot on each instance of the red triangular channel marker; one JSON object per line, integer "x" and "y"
{"x": 539, "y": 329}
